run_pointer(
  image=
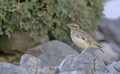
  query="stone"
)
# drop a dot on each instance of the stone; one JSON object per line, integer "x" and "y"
{"x": 114, "y": 46}
{"x": 30, "y": 63}
{"x": 47, "y": 70}
{"x": 111, "y": 31}
{"x": 85, "y": 64}
{"x": 7, "y": 68}
{"x": 52, "y": 52}
{"x": 114, "y": 68}
{"x": 99, "y": 36}
{"x": 35, "y": 66}
{"x": 50, "y": 61}
{"x": 101, "y": 73}
{"x": 109, "y": 55}
{"x": 73, "y": 72}
{"x": 20, "y": 42}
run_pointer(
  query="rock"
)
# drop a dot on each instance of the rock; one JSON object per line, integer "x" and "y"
{"x": 99, "y": 36}
{"x": 7, "y": 68}
{"x": 117, "y": 66}
{"x": 50, "y": 61}
{"x": 73, "y": 72}
{"x": 47, "y": 70}
{"x": 85, "y": 64}
{"x": 35, "y": 66}
{"x": 52, "y": 53}
{"x": 30, "y": 63}
{"x": 111, "y": 31}
{"x": 115, "y": 47}
{"x": 20, "y": 42}
{"x": 109, "y": 55}
{"x": 101, "y": 73}
{"x": 114, "y": 68}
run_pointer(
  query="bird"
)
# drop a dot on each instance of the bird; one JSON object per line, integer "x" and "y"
{"x": 82, "y": 39}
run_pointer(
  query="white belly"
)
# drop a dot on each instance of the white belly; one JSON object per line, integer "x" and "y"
{"x": 78, "y": 42}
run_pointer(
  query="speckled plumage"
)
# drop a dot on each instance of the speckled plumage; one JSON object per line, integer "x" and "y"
{"x": 81, "y": 39}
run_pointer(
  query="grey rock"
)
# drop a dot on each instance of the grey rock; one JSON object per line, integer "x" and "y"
{"x": 99, "y": 65}
{"x": 114, "y": 46}
{"x": 100, "y": 73}
{"x": 109, "y": 55}
{"x": 49, "y": 61}
{"x": 114, "y": 68}
{"x": 47, "y": 70}
{"x": 73, "y": 72}
{"x": 35, "y": 66}
{"x": 117, "y": 66}
{"x": 7, "y": 68}
{"x": 30, "y": 63}
{"x": 52, "y": 53}
{"x": 82, "y": 63}
{"x": 111, "y": 29}
{"x": 99, "y": 36}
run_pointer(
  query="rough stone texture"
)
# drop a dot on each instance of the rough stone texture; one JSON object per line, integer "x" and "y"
{"x": 114, "y": 68}
{"x": 35, "y": 66}
{"x": 114, "y": 46}
{"x": 117, "y": 66}
{"x": 82, "y": 63}
{"x": 109, "y": 55}
{"x": 50, "y": 61}
{"x": 111, "y": 29}
{"x": 30, "y": 63}
{"x": 7, "y": 68}
{"x": 52, "y": 53}
{"x": 101, "y": 73}
{"x": 99, "y": 36}
{"x": 47, "y": 70}
{"x": 19, "y": 42}
{"x": 73, "y": 72}
{"x": 72, "y": 64}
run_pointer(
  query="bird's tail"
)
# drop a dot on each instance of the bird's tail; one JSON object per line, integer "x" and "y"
{"x": 100, "y": 48}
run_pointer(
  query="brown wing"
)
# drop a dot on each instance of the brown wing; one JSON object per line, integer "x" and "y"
{"x": 87, "y": 37}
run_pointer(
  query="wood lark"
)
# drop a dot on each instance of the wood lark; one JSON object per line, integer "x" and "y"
{"x": 82, "y": 39}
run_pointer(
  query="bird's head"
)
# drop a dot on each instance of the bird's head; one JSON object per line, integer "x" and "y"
{"x": 73, "y": 26}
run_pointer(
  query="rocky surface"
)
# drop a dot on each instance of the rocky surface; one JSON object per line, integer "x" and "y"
{"x": 72, "y": 64}
{"x": 12, "y": 48}
{"x": 109, "y": 54}
{"x": 35, "y": 66}
{"x": 7, "y": 68}
{"x": 85, "y": 64}
{"x": 56, "y": 57}
{"x": 52, "y": 53}
{"x": 112, "y": 32}
{"x": 19, "y": 42}
{"x": 114, "y": 68}
{"x": 109, "y": 34}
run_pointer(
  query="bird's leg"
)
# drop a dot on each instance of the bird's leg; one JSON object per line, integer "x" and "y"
{"x": 84, "y": 51}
